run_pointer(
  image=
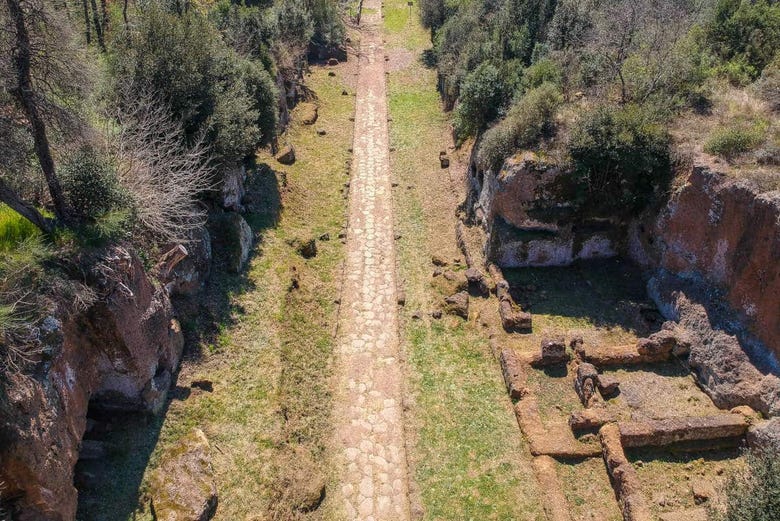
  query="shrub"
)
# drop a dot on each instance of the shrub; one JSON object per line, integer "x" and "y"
{"x": 482, "y": 96}
{"x": 543, "y": 71}
{"x": 526, "y": 122}
{"x": 754, "y": 494}
{"x": 90, "y": 184}
{"x": 736, "y": 139}
{"x": 620, "y": 157}
{"x": 768, "y": 85}
{"x": 745, "y": 33}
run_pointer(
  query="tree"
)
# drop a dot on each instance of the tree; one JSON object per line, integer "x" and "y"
{"x": 22, "y": 13}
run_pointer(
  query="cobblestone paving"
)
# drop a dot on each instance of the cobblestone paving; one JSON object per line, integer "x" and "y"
{"x": 369, "y": 410}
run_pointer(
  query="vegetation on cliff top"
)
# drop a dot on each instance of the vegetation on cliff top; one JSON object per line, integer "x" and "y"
{"x": 625, "y": 71}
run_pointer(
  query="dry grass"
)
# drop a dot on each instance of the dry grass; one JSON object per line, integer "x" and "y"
{"x": 734, "y": 110}
{"x": 269, "y": 357}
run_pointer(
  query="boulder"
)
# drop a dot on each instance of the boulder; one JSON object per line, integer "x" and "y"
{"x": 182, "y": 487}
{"x": 286, "y": 155}
{"x": 514, "y": 319}
{"x": 233, "y": 191}
{"x": 237, "y": 238}
{"x": 765, "y": 435}
{"x": 308, "y": 113}
{"x": 477, "y": 282}
{"x": 458, "y": 305}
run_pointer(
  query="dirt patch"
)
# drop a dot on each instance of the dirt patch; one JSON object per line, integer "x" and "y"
{"x": 399, "y": 59}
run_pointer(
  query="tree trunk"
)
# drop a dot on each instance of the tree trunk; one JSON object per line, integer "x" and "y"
{"x": 98, "y": 27}
{"x": 25, "y": 95}
{"x": 104, "y": 13}
{"x": 87, "y": 29}
{"x": 26, "y": 210}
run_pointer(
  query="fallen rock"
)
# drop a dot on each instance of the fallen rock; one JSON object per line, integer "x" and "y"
{"x": 477, "y": 282}
{"x": 458, "y": 305}
{"x": 514, "y": 320}
{"x": 585, "y": 382}
{"x": 438, "y": 261}
{"x": 333, "y": 62}
{"x": 307, "y": 249}
{"x": 444, "y": 161}
{"x": 308, "y": 113}
{"x": 286, "y": 155}
{"x": 514, "y": 376}
{"x": 553, "y": 352}
{"x": 608, "y": 385}
{"x": 182, "y": 487}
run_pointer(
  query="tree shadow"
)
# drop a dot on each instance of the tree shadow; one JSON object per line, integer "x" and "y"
{"x": 110, "y": 487}
{"x": 428, "y": 59}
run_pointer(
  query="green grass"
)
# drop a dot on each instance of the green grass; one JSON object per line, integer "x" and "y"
{"x": 14, "y": 228}
{"x": 269, "y": 353}
{"x": 736, "y": 139}
{"x": 467, "y": 454}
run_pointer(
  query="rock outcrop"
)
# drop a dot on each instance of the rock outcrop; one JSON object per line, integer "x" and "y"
{"x": 118, "y": 355}
{"x": 725, "y": 234}
{"x": 182, "y": 486}
{"x": 233, "y": 191}
{"x": 528, "y": 213}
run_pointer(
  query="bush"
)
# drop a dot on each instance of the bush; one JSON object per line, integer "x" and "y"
{"x": 482, "y": 96}
{"x": 526, "y": 122}
{"x": 768, "y": 85}
{"x": 746, "y": 34}
{"x": 736, "y": 139}
{"x": 754, "y": 494}
{"x": 621, "y": 159}
{"x": 543, "y": 71}
{"x": 90, "y": 184}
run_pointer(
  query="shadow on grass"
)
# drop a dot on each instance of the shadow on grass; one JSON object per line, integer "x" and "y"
{"x": 428, "y": 59}
{"x": 110, "y": 487}
{"x": 608, "y": 293}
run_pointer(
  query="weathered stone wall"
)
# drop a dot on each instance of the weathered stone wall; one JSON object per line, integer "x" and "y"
{"x": 526, "y": 209}
{"x": 724, "y": 234}
{"x": 118, "y": 355}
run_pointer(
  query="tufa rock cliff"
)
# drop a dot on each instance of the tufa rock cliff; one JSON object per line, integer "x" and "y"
{"x": 118, "y": 355}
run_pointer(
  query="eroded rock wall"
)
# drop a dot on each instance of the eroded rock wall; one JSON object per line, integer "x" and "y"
{"x": 722, "y": 233}
{"x": 527, "y": 211}
{"x": 118, "y": 355}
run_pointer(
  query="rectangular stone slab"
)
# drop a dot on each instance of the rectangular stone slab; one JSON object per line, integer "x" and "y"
{"x": 514, "y": 376}
{"x": 656, "y": 433}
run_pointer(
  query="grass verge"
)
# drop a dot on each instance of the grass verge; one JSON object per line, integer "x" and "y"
{"x": 466, "y": 451}
{"x": 268, "y": 354}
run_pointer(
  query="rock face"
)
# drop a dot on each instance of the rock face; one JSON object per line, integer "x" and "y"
{"x": 183, "y": 487}
{"x": 726, "y": 234}
{"x": 116, "y": 356}
{"x": 237, "y": 238}
{"x": 527, "y": 211}
{"x": 724, "y": 368}
{"x": 233, "y": 191}
{"x": 191, "y": 273}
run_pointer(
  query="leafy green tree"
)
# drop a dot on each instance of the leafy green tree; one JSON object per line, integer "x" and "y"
{"x": 482, "y": 96}
{"x": 621, "y": 159}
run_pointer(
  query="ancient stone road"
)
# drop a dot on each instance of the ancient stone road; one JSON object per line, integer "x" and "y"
{"x": 368, "y": 405}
